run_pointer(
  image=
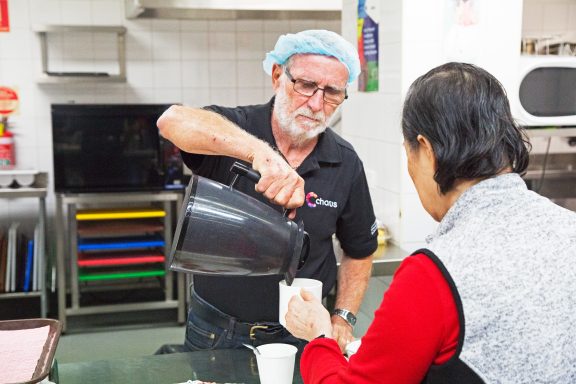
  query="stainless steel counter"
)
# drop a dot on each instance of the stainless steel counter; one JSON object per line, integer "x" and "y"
{"x": 387, "y": 259}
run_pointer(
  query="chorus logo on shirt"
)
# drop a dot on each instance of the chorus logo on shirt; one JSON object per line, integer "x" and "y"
{"x": 312, "y": 200}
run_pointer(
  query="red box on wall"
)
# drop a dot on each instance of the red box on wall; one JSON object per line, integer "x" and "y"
{"x": 4, "y": 21}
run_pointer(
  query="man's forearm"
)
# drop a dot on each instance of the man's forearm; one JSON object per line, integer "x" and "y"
{"x": 205, "y": 132}
{"x": 208, "y": 133}
{"x": 353, "y": 278}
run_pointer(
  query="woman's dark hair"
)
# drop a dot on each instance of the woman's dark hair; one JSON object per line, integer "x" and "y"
{"x": 464, "y": 113}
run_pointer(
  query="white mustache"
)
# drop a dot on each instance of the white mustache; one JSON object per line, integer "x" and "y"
{"x": 306, "y": 112}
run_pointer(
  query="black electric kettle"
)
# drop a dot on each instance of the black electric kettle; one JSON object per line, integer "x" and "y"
{"x": 222, "y": 231}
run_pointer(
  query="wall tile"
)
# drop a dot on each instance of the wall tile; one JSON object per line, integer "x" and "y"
{"x": 221, "y": 26}
{"x": 195, "y": 74}
{"x": 250, "y": 96}
{"x": 301, "y": 25}
{"x": 249, "y": 45}
{"x": 223, "y": 74}
{"x": 139, "y": 45}
{"x": 110, "y": 93}
{"x": 137, "y": 25}
{"x": 141, "y": 95}
{"x": 222, "y": 46}
{"x": 76, "y": 12}
{"x": 194, "y": 25}
{"x": 45, "y": 12}
{"x": 249, "y": 73}
{"x": 165, "y": 25}
{"x": 17, "y": 71}
{"x": 168, "y": 95}
{"x": 105, "y": 46}
{"x": 249, "y": 25}
{"x": 572, "y": 17}
{"x": 416, "y": 222}
{"x": 16, "y": 44}
{"x": 555, "y": 18}
{"x": 532, "y": 19}
{"x": 223, "y": 97}
{"x": 19, "y": 15}
{"x": 387, "y": 209}
{"x": 166, "y": 46}
{"x": 167, "y": 74}
{"x": 140, "y": 73}
{"x": 106, "y": 12}
{"x": 194, "y": 45}
{"x": 281, "y": 26}
{"x": 196, "y": 97}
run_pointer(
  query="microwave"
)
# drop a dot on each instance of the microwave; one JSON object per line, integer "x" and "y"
{"x": 545, "y": 92}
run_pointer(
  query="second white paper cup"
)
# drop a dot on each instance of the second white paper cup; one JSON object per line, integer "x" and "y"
{"x": 276, "y": 363}
{"x": 287, "y": 291}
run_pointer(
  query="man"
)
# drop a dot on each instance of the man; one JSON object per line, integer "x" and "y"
{"x": 288, "y": 142}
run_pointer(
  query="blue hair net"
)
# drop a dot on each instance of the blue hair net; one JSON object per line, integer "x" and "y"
{"x": 318, "y": 42}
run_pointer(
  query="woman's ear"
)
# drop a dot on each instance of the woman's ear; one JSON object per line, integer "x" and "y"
{"x": 427, "y": 150}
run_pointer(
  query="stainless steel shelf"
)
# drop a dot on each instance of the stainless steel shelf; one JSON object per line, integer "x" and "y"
{"x": 48, "y": 77}
{"x": 16, "y": 193}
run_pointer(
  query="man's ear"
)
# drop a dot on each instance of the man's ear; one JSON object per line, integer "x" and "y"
{"x": 276, "y": 73}
{"x": 427, "y": 150}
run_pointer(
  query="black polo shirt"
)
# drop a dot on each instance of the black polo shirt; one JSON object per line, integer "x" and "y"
{"x": 337, "y": 201}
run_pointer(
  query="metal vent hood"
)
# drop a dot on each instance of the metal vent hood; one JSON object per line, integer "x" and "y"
{"x": 234, "y": 9}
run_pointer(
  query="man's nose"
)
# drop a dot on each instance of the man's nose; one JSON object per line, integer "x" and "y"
{"x": 316, "y": 101}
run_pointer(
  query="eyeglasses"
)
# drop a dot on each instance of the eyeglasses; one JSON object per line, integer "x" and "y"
{"x": 309, "y": 88}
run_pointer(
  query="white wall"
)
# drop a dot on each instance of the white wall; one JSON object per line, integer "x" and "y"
{"x": 413, "y": 39}
{"x": 182, "y": 61}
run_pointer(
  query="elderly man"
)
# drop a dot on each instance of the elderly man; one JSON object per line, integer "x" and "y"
{"x": 300, "y": 160}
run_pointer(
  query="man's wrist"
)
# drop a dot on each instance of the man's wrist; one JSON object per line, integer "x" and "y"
{"x": 346, "y": 315}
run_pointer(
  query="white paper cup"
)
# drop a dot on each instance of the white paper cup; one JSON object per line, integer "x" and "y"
{"x": 276, "y": 363}
{"x": 352, "y": 347}
{"x": 287, "y": 291}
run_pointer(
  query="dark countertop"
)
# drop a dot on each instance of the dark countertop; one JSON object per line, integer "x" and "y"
{"x": 220, "y": 366}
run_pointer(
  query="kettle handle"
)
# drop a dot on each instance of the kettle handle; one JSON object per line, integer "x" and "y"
{"x": 305, "y": 251}
{"x": 241, "y": 169}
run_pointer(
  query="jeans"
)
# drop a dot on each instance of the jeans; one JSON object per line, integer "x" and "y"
{"x": 203, "y": 335}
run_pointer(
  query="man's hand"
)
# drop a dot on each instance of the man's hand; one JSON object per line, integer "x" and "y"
{"x": 341, "y": 332}
{"x": 278, "y": 182}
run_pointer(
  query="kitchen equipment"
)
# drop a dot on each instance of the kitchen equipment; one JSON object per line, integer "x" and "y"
{"x": 543, "y": 92}
{"x": 225, "y": 232}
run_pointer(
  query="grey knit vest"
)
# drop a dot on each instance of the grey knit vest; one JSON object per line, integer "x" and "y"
{"x": 511, "y": 254}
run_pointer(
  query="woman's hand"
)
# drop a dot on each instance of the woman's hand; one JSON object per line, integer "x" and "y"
{"x": 307, "y": 318}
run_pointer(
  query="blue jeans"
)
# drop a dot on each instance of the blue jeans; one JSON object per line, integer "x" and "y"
{"x": 203, "y": 335}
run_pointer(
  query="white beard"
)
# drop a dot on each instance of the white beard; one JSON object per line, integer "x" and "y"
{"x": 299, "y": 132}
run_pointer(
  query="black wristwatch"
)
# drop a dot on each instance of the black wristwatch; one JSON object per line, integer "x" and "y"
{"x": 346, "y": 315}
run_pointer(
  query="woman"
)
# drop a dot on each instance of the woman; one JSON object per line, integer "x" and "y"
{"x": 492, "y": 297}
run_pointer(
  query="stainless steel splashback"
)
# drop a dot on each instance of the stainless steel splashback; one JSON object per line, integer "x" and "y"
{"x": 234, "y": 9}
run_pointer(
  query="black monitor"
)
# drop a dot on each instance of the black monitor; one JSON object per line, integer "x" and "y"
{"x": 111, "y": 148}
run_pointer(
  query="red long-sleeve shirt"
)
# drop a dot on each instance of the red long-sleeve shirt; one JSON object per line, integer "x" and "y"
{"x": 415, "y": 327}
